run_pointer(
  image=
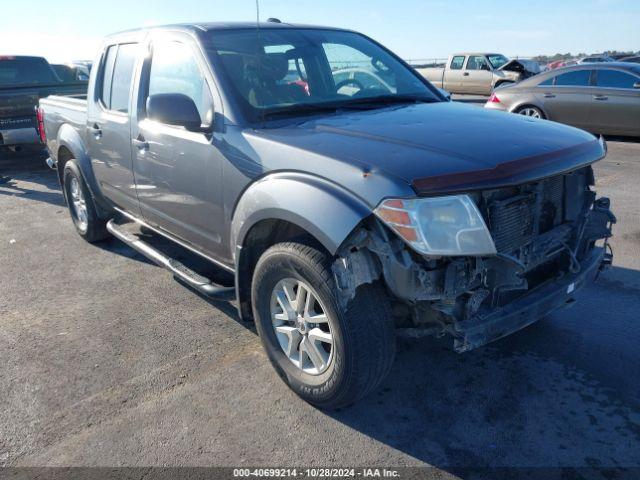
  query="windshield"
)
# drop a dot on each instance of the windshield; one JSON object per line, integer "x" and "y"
{"x": 25, "y": 71}
{"x": 497, "y": 60}
{"x": 292, "y": 71}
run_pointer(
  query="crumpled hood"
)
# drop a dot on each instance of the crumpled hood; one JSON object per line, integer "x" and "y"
{"x": 443, "y": 147}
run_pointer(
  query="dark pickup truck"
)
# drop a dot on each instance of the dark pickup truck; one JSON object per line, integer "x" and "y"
{"x": 24, "y": 81}
{"x": 344, "y": 208}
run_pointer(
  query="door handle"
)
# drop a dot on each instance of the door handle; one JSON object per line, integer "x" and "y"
{"x": 600, "y": 97}
{"x": 549, "y": 95}
{"x": 95, "y": 130}
{"x": 140, "y": 143}
{"x": 465, "y": 74}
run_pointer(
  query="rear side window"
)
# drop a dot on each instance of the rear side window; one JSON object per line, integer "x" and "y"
{"x": 118, "y": 74}
{"x": 25, "y": 71}
{"x": 615, "y": 79}
{"x": 578, "y": 78}
{"x": 107, "y": 75}
{"x": 477, "y": 63}
{"x": 457, "y": 62}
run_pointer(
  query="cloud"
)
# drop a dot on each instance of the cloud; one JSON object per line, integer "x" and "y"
{"x": 55, "y": 47}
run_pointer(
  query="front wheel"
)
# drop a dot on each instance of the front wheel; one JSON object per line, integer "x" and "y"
{"x": 329, "y": 354}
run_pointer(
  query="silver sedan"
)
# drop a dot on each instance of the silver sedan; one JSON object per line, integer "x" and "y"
{"x": 601, "y": 98}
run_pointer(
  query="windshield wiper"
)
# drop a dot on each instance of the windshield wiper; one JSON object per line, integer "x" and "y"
{"x": 384, "y": 100}
{"x": 300, "y": 109}
{"x": 363, "y": 103}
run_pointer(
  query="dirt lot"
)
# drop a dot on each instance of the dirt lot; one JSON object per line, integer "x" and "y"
{"x": 106, "y": 360}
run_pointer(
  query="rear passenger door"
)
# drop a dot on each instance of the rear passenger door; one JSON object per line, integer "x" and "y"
{"x": 108, "y": 125}
{"x": 566, "y": 98}
{"x": 616, "y": 103}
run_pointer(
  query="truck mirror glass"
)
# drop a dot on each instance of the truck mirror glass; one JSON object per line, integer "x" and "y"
{"x": 175, "y": 109}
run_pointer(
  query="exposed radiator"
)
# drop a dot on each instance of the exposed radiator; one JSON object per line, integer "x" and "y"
{"x": 534, "y": 209}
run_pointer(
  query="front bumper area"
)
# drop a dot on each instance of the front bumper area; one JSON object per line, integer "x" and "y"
{"x": 482, "y": 329}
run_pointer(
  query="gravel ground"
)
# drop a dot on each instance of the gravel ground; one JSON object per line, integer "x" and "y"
{"x": 108, "y": 361}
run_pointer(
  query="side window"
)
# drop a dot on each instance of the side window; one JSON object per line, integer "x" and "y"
{"x": 107, "y": 75}
{"x": 578, "y": 78}
{"x": 477, "y": 62}
{"x": 548, "y": 82}
{"x": 122, "y": 77}
{"x": 174, "y": 69}
{"x": 457, "y": 62}
{"x": 615, "y": 79}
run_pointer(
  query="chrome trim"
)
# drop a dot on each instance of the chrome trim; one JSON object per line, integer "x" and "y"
{"x": 168, "y": 236}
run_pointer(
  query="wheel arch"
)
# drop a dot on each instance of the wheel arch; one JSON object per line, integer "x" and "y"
{"x": 285, "y": 207}
{"x": 528, "y": 103}
{"x": 71, "y": 146}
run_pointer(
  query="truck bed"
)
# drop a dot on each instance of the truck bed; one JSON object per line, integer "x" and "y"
{"x": 64, "y": 109}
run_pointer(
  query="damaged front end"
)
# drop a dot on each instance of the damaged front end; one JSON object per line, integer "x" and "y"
{"x": 550, "y": 238}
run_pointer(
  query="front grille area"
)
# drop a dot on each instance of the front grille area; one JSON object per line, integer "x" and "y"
{"x": 516, "y": 216}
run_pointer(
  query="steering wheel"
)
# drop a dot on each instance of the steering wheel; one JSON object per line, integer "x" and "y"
{"x": 349, "y": 81}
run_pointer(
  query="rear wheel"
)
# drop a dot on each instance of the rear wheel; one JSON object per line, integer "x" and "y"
{"x": 328, "y": 353}
{"x": 81, "y": 206}
{"x": 530, "y": 111}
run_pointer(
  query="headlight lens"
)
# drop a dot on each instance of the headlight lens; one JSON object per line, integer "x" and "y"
{"x": 443, "y": 226}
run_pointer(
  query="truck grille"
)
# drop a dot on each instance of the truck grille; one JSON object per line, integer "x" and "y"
{"x": 516, "y": 216}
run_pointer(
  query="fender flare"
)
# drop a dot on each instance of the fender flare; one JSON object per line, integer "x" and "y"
{"x": 69, "y": 138}
{"x": 322, "y": 208}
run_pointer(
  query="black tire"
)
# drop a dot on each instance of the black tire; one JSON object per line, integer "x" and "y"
{"x": 94, "y": 229}
{"x": 521, "y": 111}
{"x": 363, "y": 345}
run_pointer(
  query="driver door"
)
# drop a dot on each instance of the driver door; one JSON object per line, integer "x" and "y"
{"x": 478, "y": 76}
{"x": 179, "y": 172}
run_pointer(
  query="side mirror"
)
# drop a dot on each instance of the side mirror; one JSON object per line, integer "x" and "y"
{"x": 636, "y": 85}
{"x": 444, "y": 93}
{"x": 175, "y": 109}
{"x": 485, "y": 67}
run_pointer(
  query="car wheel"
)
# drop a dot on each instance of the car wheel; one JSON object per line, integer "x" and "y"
{"x": 329, "y": 353}
{"x": 531, "y": 111}
{"x": 81, "y": 206}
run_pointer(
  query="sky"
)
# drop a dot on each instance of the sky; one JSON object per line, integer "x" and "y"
{"x": 64, "y": 30}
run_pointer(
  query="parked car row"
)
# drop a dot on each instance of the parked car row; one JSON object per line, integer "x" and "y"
{"x": 23, "y": 81}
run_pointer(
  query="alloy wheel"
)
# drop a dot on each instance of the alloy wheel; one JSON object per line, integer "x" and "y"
{"x": 302, "y": 326}
{"x": 78, "y": 203}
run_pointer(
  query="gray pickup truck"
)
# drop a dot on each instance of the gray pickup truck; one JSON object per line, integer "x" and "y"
{"x": 342, "y": 216}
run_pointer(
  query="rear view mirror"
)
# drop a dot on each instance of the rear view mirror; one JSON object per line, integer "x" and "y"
{"x": 175, "y": 109}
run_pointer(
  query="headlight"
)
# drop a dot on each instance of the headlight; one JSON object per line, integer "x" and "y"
{"x": 444, "y": 226}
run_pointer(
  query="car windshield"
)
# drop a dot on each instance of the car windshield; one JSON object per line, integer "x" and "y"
{"x": 288, "y": 71}
{"x": 497, "y": 60}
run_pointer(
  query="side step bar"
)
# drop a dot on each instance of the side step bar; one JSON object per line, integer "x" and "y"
{"x": 191, "y": 278}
